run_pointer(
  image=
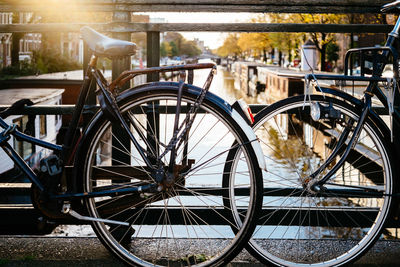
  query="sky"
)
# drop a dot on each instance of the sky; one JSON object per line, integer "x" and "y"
{"x": 211, "y": 39}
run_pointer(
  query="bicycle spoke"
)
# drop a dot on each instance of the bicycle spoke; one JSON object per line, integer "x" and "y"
{"x": 188, "y": 217}
{"x": 335, "y": 223}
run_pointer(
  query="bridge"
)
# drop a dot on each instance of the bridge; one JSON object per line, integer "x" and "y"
{"x": 121, "y": 27}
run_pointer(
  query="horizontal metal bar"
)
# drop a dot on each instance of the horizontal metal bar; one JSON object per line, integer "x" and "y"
{"x": 344, "y": 77}
{"x": 68, "y": 109}
{"x": 89, "y": 109}
{"x": 39, "y": 82}
{"x": 332, "y": 217}
{"x": 214, "y": 191}
{"x": 199, "y": 27}
{"x": 51, "y": 109}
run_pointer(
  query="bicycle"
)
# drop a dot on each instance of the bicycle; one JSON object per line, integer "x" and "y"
{"x": 331, "y": 186}
{"x": 140, "y": 172}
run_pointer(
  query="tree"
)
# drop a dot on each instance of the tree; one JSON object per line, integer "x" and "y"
{"x": 176, "y": 45}
{"x": 174, "y": 49}
{"x": 165, "y": 49}
{"x": 332, "y": 52}
{"x": 190, "y": 49}
{"x": 321, "y": 40}
{"x": 285, "y": 42}
{"x": 254, "y": 44}
{"x": 230, "y": 46}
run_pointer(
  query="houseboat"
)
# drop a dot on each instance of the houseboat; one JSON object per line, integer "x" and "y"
{"x": 245, "y": 74}
{"x": 280, "y": 83}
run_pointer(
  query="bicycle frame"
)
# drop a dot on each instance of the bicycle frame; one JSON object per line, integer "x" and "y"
{"x": 62, "y": 150}
{"x": 109, "y": 106}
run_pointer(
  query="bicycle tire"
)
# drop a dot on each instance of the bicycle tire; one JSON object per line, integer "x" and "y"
{"x": 299, "y": 227}
{"x": 194, "y": 239}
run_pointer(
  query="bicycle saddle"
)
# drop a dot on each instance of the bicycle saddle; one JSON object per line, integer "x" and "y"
{"x": 391, "y": 6}
{"x": 105, "y": 46}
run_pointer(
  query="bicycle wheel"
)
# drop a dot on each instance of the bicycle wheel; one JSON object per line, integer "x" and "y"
{"x": 302, "y": 227}
{"x": 185, "y": 223}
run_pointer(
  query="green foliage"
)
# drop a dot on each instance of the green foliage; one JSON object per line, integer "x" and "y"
{"x": 190, "y": 49}
{"x": 4, "y": 262}
{"x": 43, "y": 61}
{"x": 28, "y": 258}
{"x": 48, "y": 60}
{"x": 176, "y": 45}
{"x": 23, "y": 69}
{"x": 174, "y": 49}
{"x": 165, "y": 49}
{"x": 332, "y": 52}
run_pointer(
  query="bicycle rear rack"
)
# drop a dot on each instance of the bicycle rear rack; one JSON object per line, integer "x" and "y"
{"x": 128, "y": 75}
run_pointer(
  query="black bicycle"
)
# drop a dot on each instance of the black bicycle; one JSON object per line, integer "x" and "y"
{"x": 331, "y": 183}
{"x": 148, "y": 170}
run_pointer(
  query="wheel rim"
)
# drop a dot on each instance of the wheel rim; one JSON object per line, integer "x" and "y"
{"x": 322, "y": 239}
{"x": 193, "y": 240}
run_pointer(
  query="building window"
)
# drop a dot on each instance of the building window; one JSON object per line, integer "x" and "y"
{"x": 24, "y": 149}
{"x": 43, "y": 126}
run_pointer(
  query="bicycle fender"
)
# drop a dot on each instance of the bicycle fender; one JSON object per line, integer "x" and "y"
{"x": 341, "y": 94}
{"x": 216, "y": 100}
{"x": 252, "y": 137}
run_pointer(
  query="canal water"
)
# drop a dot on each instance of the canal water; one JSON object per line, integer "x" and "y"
{"x": 223, "y": 86}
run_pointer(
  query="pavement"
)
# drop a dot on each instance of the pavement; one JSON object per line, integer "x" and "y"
{"x": 88, "y": 251}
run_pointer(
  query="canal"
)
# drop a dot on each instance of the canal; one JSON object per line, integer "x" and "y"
{"x": 223, "y": 86}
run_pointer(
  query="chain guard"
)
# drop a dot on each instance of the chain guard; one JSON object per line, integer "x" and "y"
{"x": 50, "y": 208}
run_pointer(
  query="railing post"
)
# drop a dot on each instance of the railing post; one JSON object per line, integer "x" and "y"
{"x": 153, "y": 60}
{"x": 118, "y": 66}
{"x": 153, "y": 54}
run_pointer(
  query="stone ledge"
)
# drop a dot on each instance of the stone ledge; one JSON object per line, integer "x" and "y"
{"x": 88, "y": 251}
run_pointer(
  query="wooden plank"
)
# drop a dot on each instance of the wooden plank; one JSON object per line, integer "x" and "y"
{"x": 153, "y": 53}
{"x": 292, "y": 6}
{"x": 198, "y": 27}
{"x": 204, "y": 8}
{"x": 190, "y": 2}
{"x": 248, "y": 8}
{"x": 264, "y": 27}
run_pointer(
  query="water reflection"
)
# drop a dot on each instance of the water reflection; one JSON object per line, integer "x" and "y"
{"x": 223, "y": 85}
